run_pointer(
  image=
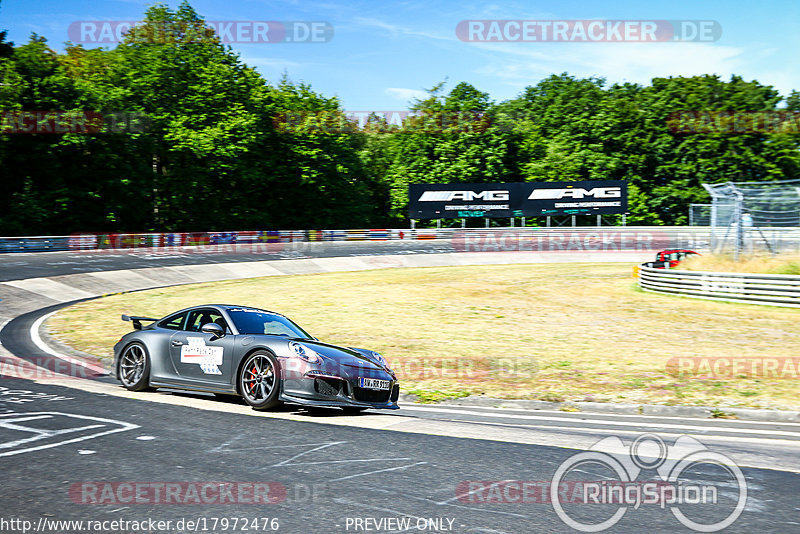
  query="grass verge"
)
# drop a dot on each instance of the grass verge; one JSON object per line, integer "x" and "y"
{"x": 762, "y": 264}
{"x": 564, "y": 332}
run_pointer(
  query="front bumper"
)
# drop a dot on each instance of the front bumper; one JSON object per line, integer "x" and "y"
{"x": 330, "y": 391}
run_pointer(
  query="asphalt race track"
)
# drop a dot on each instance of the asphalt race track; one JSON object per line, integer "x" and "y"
{"x": 88, "y": 450}
{"x": 16, "y": 266}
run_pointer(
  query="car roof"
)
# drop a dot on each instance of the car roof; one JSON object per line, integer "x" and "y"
{"x": 228, "y": 307}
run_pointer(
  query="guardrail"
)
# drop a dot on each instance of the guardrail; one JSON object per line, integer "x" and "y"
{"x": 463, "y": 239}
{"x": 198, "y": 239}
{"x": 750, "y": 288}
{"x": 34, "y": 244}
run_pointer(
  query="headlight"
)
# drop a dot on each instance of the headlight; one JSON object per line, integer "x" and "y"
{"x": 381, "y": 360}
{"x": 304, "y": 353}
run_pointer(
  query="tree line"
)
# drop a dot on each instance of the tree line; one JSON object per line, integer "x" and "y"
{"x": 172, "y": 131}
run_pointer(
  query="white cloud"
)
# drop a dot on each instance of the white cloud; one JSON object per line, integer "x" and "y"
{"x": 399, "y": 30}
{"x": 406, "y": 95}
{"x": 618, "y": 62}
{"x": 271, "y": 62}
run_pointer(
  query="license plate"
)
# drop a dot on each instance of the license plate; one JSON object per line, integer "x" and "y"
{"x": 373, "y": 383}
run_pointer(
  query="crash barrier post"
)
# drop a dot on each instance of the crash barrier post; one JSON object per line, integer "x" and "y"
{"x": 750, "y": 288}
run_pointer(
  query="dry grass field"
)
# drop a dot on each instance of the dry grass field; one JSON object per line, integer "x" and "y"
{"x": 763, "y": 264}
{"x": 558, "y": 332}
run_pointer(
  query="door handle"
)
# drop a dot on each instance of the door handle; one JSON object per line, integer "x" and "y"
{"x": 176, "y": 343}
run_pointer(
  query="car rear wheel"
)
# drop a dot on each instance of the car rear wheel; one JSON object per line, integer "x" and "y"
{"x": 259, "y": 380}
{"x": 134, "y": 368}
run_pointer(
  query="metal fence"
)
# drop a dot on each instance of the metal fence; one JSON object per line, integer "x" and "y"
{"x": 699, "y": 214}
{"x": 748, "y": 217}
{"x": 769, "y": 289}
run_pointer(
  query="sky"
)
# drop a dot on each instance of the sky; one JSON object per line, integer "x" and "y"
{"x": 383, "y": 54}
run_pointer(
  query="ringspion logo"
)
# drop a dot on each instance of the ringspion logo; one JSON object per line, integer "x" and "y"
{"x": 704, "y": 490}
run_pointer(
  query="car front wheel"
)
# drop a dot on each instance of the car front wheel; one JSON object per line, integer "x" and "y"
{"x": 259, "y": 381}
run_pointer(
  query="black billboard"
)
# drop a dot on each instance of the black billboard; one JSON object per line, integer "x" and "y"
{"x": 526, "y": 199}
{"x": 591, "y": 197}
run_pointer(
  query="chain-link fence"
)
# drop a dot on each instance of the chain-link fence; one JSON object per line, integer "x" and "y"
{"x": 699, "y": 214}
{"x": 750, "y": 217}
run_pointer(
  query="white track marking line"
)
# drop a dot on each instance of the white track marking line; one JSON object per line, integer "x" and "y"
{"x": 123, "y": 426}
{"x": 585, "y": 415}
{"x": 37, "y": 340}
{"x": 40, "y": 434}
{"x": 617, "y": 423}
{"x": 23, "y": 419}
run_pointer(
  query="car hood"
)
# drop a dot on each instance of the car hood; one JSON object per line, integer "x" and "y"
{"x": 342, "y": 355}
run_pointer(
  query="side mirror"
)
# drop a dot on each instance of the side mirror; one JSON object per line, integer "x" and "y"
{"x": 214, "y": 329}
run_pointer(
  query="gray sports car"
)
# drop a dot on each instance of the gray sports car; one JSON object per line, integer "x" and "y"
{"x": 260, "y": 355}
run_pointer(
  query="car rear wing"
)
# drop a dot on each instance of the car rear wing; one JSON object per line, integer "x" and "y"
{"x": 137, "y": 321}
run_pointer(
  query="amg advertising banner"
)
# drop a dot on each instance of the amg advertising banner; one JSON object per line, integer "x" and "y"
{"x": 526, "y": 199}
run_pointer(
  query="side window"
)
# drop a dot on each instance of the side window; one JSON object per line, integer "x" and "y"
{"x": 277, "y": 328}
{"x": 173, "y": 322}
{"x": 198, "y": 318}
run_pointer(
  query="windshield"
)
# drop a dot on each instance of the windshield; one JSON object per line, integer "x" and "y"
{"x": 249, "y": 321}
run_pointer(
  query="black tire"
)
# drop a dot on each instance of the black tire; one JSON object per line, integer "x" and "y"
{"x": 134, "y": 367}
{"x": 260, "y": 381}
